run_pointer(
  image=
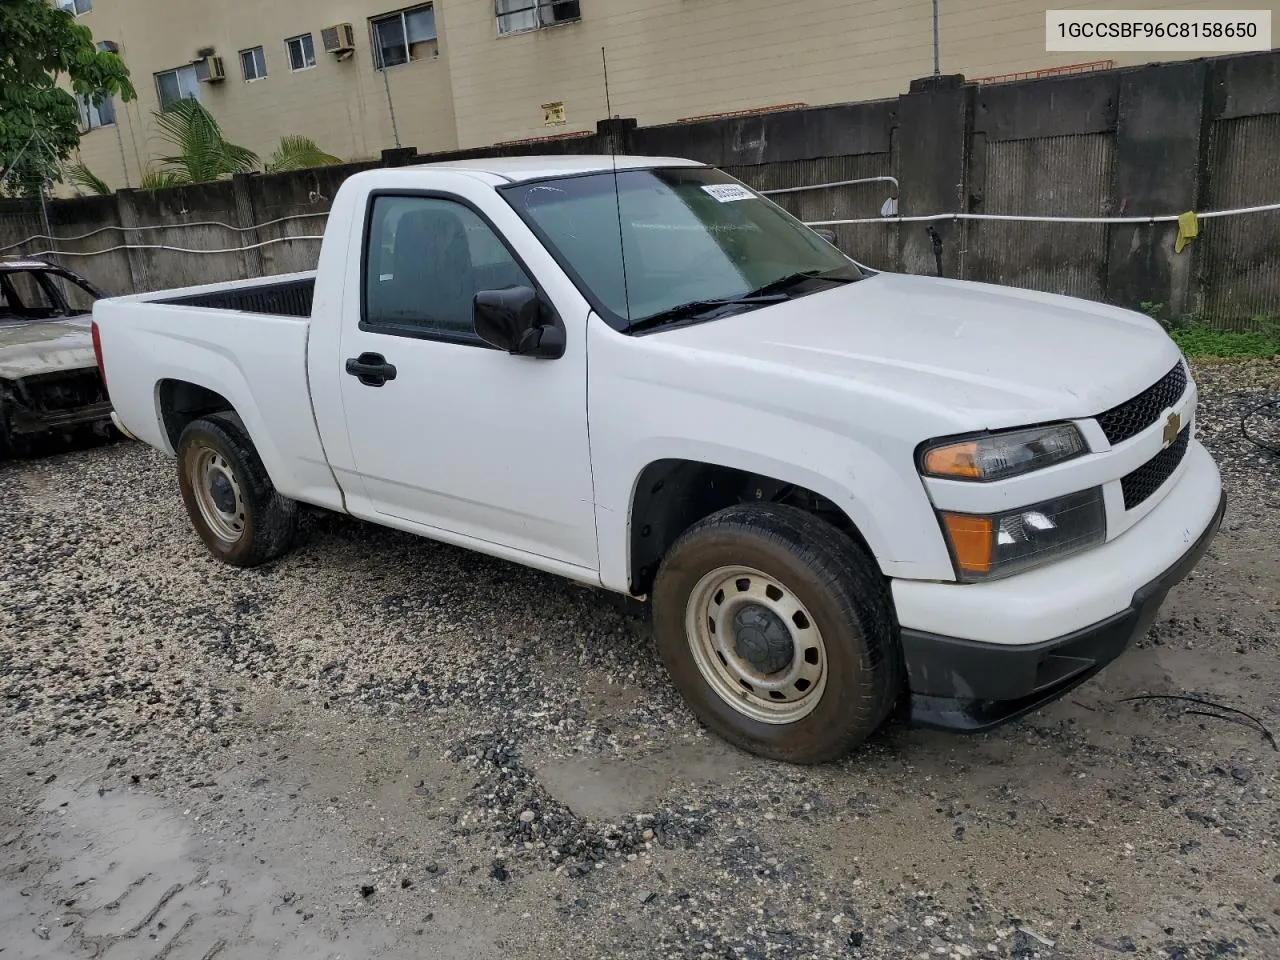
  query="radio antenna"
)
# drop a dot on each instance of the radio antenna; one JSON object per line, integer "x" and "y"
{"x": 617, "y": 195}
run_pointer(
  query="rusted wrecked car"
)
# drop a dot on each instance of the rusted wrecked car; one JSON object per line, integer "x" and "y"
{"x": 49, "y": 379}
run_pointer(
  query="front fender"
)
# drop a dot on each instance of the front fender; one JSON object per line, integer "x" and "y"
{"x": 892, "y": 513}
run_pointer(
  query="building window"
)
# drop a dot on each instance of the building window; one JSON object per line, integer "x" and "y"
{"x": 404, "y": 37}
{"x": 75, "y": 7}
{"x": 103, "y": 115}
{"x": 254, "y": 64}
{"x": 91, "y": 117}
{"x": 175, "y": 85}
{"x": 517, "y": 15}
{"x": 302, "y": 52}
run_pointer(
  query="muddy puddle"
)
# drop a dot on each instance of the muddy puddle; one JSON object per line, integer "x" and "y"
{"x": 119, "y": 874}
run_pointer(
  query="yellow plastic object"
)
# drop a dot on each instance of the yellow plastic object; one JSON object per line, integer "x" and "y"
{"x": 1188, "y": 229}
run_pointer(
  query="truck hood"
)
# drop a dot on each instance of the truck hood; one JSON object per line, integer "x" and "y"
{"x": 983, "y": 355}
{"x": 45, "y": 346}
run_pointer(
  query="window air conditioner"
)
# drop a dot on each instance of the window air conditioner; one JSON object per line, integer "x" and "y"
{"x": 338, "y": 39}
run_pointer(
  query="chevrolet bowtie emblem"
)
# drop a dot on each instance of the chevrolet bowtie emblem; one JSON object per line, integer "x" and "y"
{"x": 1171, "y": 428}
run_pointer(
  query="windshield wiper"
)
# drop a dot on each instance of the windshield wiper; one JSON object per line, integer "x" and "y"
{"x": 691, "y": 309}
{"x": 771, "y": 292}
{"x": 791, "y": 279}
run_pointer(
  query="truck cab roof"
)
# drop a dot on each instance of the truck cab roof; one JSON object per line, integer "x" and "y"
{"x": 521, "y": 169}
{"x": 15, "y": 264}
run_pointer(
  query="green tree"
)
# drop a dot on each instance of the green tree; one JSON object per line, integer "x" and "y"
{"x": 203, "y": 153}
{"x": 40, "y": 121}
{"x": 86, "y": 181}
{"x": 298, "y": 153}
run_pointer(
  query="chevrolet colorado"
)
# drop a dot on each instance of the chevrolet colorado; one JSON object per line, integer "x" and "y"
{"x": 844, "y": 490}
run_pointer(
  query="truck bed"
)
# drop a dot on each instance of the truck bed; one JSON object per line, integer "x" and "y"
{"x": 282, "y": 298}
{"x": 245, "y": 341}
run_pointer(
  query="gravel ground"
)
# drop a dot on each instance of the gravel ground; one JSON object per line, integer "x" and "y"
{"x": 385, "y": 747}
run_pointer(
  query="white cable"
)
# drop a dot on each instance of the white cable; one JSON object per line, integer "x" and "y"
{"x": 1003, "y": 217}
{"x": 930, "y": 218}
{"x": 163, "y": 226}
{"x": 826, "y": 186}
{"x": 161, "y": 246}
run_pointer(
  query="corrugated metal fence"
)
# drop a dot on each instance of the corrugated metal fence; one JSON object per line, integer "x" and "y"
{"x": 1239, "y": 258}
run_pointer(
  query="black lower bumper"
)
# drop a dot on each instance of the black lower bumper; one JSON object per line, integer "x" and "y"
{"x": 968, "y": 686}
{"x": 23, "y": 421}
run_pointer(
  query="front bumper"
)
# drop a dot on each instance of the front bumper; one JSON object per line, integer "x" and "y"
{"x": 970, "y": 686}
{"x": 33, "y": 422}
{"x": 50, "y": 402}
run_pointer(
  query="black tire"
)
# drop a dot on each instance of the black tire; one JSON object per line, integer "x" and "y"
{"x": 269, "y": 520}
{"x": 840, "y": 587}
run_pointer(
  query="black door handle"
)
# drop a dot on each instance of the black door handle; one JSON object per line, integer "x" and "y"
{"x": 371, "y": 369}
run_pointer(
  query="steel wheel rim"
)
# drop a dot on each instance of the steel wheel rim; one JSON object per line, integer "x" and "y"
{"x": 217, "y": 494}
{"x": 740, "y": 659}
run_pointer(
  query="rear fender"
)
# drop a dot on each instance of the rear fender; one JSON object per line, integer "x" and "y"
{"x": 215, "y": 371}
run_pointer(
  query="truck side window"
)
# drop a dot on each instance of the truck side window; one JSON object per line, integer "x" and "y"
{"x": 426, "y": 259}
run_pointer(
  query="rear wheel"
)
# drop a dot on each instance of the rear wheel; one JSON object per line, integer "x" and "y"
{"x": 232, "y": 503}
{"x": 775, "y": 627}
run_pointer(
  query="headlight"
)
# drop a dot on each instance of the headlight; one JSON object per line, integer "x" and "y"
{"x": 1000, "y": 545}
{"x": 996, "y": 456}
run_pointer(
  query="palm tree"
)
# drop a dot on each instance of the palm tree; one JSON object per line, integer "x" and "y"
{"x": 160, "y": 180}
{"x": 298, "y": 153}
{"x": 86, "y": 181}
{"x": 204, "y": 154}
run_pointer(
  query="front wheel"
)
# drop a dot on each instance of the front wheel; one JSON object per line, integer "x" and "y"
{"x": 239, "y": 515}
{"x": 775, "y": 627}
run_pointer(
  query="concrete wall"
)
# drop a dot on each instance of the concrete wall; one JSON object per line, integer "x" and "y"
{"x": 1148, "y": 140}
{"x": 668, "y": 59}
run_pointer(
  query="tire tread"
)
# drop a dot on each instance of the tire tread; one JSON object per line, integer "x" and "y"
{"x": 843, "y": 570}
{"x": 274, "y": 524}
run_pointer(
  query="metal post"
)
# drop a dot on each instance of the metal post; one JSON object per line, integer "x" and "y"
{"x": 386, "y": 84}
{"x": 44, "y": 216}
{"x": 124, "y": 161}
{"x": 937, "y": 68}
{"x": 45, "y": 185}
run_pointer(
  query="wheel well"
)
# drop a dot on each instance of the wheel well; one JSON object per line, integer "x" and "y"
{"x": 673, "y": 495}
{"x": 181, "y": 402}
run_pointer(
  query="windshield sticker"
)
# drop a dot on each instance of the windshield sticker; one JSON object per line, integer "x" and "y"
{"x": 728, "y": 192}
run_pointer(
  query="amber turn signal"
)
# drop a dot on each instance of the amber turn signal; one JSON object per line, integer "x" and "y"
{"x": 955, "y": 460}
{"x": 971, "y": 541}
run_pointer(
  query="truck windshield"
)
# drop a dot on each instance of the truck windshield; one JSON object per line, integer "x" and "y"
{"x": 697, "y": 244}
{"x": 40, "y": 294}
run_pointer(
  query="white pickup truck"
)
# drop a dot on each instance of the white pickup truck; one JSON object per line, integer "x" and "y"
{"x": 846, "y": 491}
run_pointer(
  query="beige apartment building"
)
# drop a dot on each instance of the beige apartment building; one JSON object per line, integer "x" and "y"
{"x": 447, "y": 74}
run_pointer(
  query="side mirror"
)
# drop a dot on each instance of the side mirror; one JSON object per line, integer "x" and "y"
{"x": 827, "y": 235}
{"x": 511, "y": 320}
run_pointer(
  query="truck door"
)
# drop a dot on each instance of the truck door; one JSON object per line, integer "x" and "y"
{"x": 446, "y": 432}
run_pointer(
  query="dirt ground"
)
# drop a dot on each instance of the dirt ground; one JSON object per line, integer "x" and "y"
{"x": 382, "y": 747}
